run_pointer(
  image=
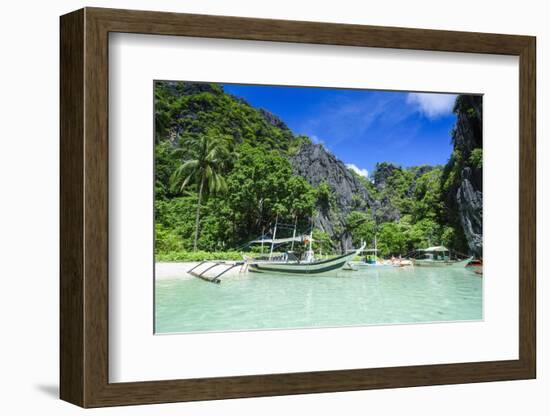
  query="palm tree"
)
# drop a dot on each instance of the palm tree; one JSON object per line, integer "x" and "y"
{"x": 203, "y": 159}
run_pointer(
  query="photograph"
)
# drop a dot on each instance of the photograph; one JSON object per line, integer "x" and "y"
{"x": 294, "y": 207}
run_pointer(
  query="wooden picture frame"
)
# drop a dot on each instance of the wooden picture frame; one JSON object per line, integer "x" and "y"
{"x": 84, "y": 207}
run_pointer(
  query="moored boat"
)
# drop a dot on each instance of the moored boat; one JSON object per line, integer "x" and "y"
{"x": 439, "y": 256}
{"x": 371, "y": 258}
{"x": 302, "y": 268}
{"x": 291, "y": 262}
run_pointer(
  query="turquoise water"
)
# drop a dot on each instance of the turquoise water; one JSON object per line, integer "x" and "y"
{"x": 375, "y": 295}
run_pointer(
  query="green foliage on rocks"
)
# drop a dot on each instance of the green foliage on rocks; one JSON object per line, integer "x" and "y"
{"x": 223, "y": 176}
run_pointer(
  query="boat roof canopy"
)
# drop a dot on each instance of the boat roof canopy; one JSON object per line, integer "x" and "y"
{"x": 435, "y": 248}
{"x": 282, "y": 240}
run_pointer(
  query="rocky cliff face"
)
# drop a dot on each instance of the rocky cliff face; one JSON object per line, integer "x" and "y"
{"x": 314, "y": 163}
{"x": 384, "y": 210}
{"x": 274, "y": 120}
{"x": 468, "y": 191}
{"x": 382, "y": 172}
{"x": 470, "y": 203}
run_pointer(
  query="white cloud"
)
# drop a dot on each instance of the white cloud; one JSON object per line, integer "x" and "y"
{"x": 432, "y": 105}
{"x": 361, "y": 172}
{"x": 317, "y": 140}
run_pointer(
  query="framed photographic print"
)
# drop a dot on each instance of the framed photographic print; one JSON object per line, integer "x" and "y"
{"x": 256, "y": 207}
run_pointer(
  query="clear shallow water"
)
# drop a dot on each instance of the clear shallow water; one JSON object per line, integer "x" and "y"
{"x": 376, "y": 295}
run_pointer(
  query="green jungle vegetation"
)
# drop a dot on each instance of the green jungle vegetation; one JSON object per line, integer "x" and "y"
{"x": 223, "y": 176}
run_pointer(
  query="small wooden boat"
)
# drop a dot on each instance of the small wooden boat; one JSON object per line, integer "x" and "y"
{"x": 475, "y": 263}
{"x": 476, "y": 266}
{"x": 439, "y": 256}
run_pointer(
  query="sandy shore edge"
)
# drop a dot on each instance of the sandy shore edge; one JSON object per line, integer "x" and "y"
{"x": 178, "y": 270}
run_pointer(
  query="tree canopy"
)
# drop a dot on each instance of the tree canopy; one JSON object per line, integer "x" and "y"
{"x": 223, "y": 176}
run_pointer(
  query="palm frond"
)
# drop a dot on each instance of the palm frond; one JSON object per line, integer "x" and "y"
{"x": 186, "y": 182}
{"x": 210, "y": 154}
{"x": 175, "y": 177}
{"x": 185, "y": 171}
{"x": 190, "y": 164}
{"x": 208, "y": 172}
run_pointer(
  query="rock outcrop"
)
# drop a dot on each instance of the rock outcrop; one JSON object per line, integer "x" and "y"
{"x": 470, "y": 205}
{"x": 314, "y": 163}
{"x": 383, "y": 209}
{"x": 274, "y": 120}
{"x": 467, "y": 189}
{"x": 382, "y": 172}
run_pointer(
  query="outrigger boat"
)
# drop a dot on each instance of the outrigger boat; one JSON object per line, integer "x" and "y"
{"x": 371, "y": 258}
{"x": 439, "y": 256}
{"x": 289, "y": 263}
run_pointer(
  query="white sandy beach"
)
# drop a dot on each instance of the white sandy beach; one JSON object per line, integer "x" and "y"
{"x": 178, "y": 270}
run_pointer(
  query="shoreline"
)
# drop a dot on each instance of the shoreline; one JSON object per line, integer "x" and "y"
{"x": 178, "y": 269}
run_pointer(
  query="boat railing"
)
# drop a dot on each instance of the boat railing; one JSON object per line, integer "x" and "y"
{"x": 281, "y": 257}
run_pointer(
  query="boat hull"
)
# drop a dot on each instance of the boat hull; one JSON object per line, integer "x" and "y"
{"x": 315, "y": 268}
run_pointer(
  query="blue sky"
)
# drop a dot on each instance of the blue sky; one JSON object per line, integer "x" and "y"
{"x": 363, "y": 127}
